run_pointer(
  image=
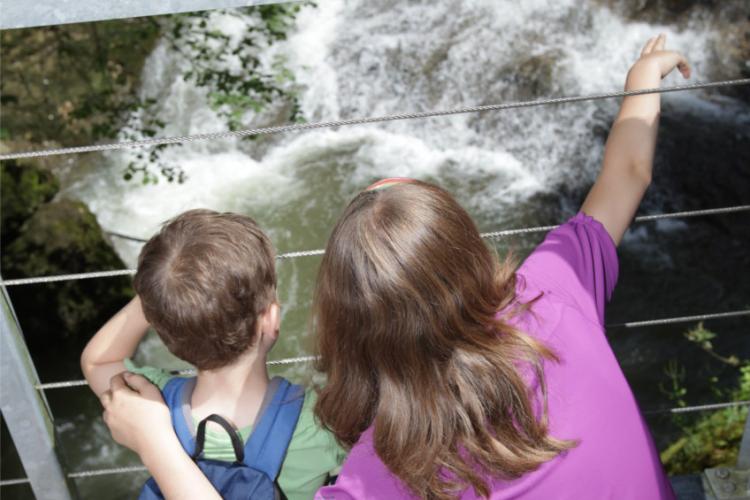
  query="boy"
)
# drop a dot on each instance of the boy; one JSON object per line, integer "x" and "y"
{"x": 207, "y": 284}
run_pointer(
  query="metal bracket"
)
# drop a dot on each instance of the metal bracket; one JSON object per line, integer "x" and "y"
{"x": 724, "y": 483}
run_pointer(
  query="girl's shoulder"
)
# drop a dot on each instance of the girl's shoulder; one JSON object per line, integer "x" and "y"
{"x": 576, "y": 264}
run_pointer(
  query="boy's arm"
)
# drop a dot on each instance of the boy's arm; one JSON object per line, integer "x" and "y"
{"x": 137, "y": 417}
{"x": 118, "y": 339}
{"x": 629, "y": 153}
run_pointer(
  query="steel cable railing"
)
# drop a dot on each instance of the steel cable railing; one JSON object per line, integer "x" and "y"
{"x": 307, "y": 253}
{"x": 140, "y": 468}
{"x": 361, "y": 121}
{"x": 306, "y": 359}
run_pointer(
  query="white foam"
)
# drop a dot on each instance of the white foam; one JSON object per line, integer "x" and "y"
{"x": 358, "y": 58}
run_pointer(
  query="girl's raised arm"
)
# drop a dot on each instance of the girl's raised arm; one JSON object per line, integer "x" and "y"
{"x": 629, "y": 154}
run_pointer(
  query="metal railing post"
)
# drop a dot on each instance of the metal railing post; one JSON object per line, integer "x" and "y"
{"x": 743, "y": 458}
{"x": 26, "y": 412}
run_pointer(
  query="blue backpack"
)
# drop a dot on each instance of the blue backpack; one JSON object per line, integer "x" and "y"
{"x": 258, "y": 462}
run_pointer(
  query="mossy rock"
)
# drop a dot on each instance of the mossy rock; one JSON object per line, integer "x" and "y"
{"x": 535, "y": 75}
{"x": 58, "y": 318}
{"x": 24, "y": 189}
{"x": 60, "y": 237}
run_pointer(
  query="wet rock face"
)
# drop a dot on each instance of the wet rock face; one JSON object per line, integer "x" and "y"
{"x": 666, "y": 11}
{"x": 42, "y": 237}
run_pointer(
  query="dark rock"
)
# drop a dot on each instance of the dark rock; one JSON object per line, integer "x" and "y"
{"x": 660, "y": 11}
{"x": 59, "y": 237}
{"x": 24, "y": 189}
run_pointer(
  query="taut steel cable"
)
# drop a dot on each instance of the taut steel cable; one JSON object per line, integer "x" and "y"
{"x": 140, "y": 468}
{"x": 361, "y": 121}
{"x": 306, "y": 359}
{"x": 308, "y": 253}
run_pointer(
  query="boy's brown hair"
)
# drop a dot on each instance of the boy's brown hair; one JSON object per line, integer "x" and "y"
{"x": 203, "y": 281}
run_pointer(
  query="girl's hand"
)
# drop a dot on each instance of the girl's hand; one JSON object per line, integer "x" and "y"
{"x": 137, "y": 416}
{"x": 656, "y": 62}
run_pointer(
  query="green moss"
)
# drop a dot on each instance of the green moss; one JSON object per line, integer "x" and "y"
{"x": 61, "y": 236}
{"x": 714, "y": 439}
{"x": 72, "y": 83}
{"x": 24, "y": 188}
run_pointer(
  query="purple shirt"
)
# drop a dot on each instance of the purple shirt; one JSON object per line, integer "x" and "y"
{"x": 589, "y": 399}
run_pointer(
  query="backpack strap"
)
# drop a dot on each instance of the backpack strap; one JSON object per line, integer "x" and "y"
{"x": 177, "y": 394}
{"x": 234, "y": 436}
{"x": 266, "y": 448}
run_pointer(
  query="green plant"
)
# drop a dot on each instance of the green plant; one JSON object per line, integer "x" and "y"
{"x": 231, "y": 69}
{"x": 73, "y": 83}
{"x": 77, "y": 84}
{"x": 713, "y": 439}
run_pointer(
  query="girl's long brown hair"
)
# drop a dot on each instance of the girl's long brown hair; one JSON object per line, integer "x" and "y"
{"x": 406, "y": 311}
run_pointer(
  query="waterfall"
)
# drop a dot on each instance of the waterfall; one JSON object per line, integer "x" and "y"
{"x": 355, "y": 59}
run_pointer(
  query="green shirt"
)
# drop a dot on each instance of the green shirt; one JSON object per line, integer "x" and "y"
{"x": 312, "y": 455}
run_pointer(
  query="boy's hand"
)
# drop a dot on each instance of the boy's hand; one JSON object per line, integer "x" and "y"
{"x": 137, "y": 416}
{"x": 118, "y": 339}
{"x": 656, "y": 62}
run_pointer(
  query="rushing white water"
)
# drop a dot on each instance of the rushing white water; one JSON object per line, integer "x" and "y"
{"x": 353, "y": 59}
{"x": 366, "y": 58}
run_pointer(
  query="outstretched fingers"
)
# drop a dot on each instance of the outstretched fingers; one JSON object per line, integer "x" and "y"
{"x": 649, "y": 46}
{"x": 661, "y": 40}
{"x": 683, "y": 67}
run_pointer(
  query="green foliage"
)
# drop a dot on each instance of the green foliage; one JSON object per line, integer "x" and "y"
{"x": 231, "y": 70}
{"x": 699, "y": 335}
{"x": 76, "y": 84}
{"x": 247, "y": 86}
{"x": 73, "y": 83}
{"x": 714, "y": 438}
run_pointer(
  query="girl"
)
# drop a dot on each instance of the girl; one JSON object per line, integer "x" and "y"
{"x": 449, "y": 375}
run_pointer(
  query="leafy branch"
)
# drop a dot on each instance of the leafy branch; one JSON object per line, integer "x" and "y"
{"x": 231, "y": 69}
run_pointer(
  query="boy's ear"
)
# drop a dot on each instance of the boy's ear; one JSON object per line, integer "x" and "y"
{"x": 270, "y": 322}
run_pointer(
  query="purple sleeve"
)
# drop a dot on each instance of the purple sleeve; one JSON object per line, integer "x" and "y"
{"x": 576, "y": 262}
